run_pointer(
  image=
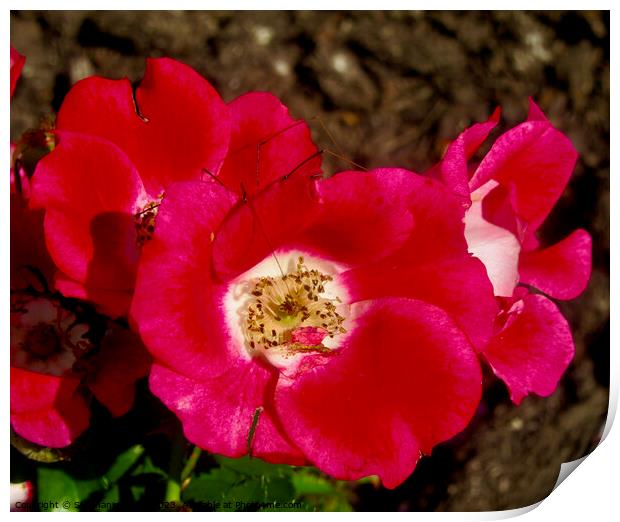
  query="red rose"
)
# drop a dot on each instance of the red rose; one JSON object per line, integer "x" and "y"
{"x": 302, "y": 320}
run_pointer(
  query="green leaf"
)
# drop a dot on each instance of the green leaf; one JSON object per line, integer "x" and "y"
{"x": 210, "y": 487}
{"x": 147, "y": 467}
{"x": 124, "y": 463}
{"x": 319, "y": 491}
{"x": 223, "y": 489}
{"x": 137, "y": 491}
{"x": 110, "y": 500}
{"x": 145, "y": 480}
{"x": 58, "y": 491}
{"x": 307, "y": 483}
{"x": 336, "y": 503}
{"x": 278, "y": 489}
{"x": 246, "y": 496}
{"x": 253, "y": 466}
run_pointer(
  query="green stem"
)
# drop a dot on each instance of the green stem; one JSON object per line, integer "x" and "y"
{"x": 190, "y": 464}
{"x": 173, "y": 487}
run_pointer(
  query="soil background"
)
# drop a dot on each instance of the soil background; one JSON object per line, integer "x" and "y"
{"x": 392, "y": 88}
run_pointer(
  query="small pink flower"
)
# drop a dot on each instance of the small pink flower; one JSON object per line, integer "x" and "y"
{"x": 46, "y": 342}
{"x": 56, "y": 367}
{"x": 508, "y": 196}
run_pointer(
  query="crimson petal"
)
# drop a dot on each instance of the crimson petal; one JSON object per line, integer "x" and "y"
{"x": 266, "y": 144}
{"x": 17, "y": 64}
{"x": 452, "y": 169}
{"x": 120, "y": 363}
{"x": 459, "y": 286}
{"x": 90, "y": 191}
{"x": 260, "y": 225}
{"x": 562, "y": 270}
{"x": 218, "y": 414}
{"x": 363, "y": 216}
{"x": 176, "y": 303}
{"x": 47, "y": 410}
{"x": 534, "y": 161}
{"x": 182, "y": 127}
{"x": 405, "y": 380}
{"x": 533, "y": 349}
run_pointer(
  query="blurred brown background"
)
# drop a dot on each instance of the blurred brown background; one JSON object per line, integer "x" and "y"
{"x": 392, "y": 88}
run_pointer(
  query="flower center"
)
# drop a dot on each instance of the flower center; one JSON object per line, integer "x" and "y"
{"x": 495, "y": 246}
{"x": 42, "y": 341}
{"x": 45, "y": 337}
{"x": 145, "y": 221}
{"x": 291, "y": 313}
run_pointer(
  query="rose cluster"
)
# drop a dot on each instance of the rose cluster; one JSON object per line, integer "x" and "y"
{"x": 337, "y": 321}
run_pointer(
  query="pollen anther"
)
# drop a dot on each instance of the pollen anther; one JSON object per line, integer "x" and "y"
{"x": 145, "y": 221}
{"x": 290, "y": 312}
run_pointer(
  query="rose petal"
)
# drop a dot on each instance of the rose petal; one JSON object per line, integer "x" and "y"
{"x": 176, "y": 303}
{"x": 114, "y": 303}
{"x": 22, "y": 495}
{"x": 45, "y": 409}
{"x": 452, "y": 169}
{"x": 90, "y": 192}
{"x": 405, "y": 380}
{"x": 438, "y": 227}
{"x": 28, "y": 251}
{"x": 363, "y": 216}
{"x": 182, "y": 128}
{"x": 562, "y": 270}
{"x": 459, "y": 286}
{"x": 535, "y": 113}
{"x": 121, "y": 361}
{"x": 260, "y": 225}
{"x": 266, "y": 144}
{"x": 218, "y": 414}
{"x": 533, "y": 349}
{"x": 495, "y": 246}
{"x": 17, "y": 64}
{"x": 534, "y": 161}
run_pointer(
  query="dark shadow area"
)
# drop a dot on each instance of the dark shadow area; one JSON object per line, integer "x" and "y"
{"x": 90, "y": 35}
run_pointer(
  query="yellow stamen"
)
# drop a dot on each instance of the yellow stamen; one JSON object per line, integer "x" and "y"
{"x": 283, "y": 309}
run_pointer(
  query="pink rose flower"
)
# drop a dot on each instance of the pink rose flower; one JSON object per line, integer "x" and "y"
{"x": 508, "y": 196}
{"x": 302, "y": 320}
